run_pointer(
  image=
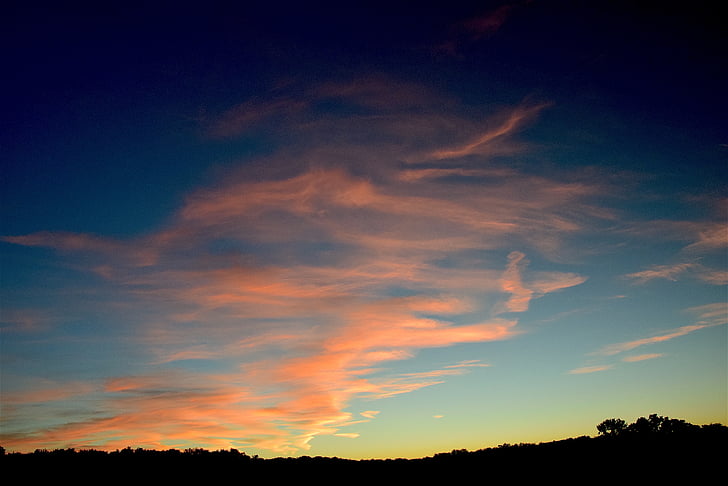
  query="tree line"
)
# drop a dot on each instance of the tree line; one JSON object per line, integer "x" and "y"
{"x": 650, "y": 448}
{"x": 654, "y": 425}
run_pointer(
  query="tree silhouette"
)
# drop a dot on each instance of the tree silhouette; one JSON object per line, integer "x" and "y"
{"x": 612, "y": 427}
{"x": 646, "y": 426}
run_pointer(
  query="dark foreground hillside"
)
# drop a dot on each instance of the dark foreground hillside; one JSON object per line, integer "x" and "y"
{"x": 650, "y": 451}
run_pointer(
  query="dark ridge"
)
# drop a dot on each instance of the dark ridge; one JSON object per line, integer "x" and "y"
{"x": 650, "y": 450}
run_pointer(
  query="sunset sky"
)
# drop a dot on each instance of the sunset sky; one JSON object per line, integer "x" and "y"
{"x": 369, "y": 230}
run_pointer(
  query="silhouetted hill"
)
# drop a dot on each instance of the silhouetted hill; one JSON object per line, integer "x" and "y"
{"x": 650, "y": 450}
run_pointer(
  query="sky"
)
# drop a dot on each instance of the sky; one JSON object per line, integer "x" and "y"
{"x": 366, "y": 230}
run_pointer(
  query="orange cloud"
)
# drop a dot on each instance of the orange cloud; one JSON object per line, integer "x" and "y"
{"x": 511, "y": 283}
{"x": 514, "y": 120}
{"x": 45, "y": 391}
{"x": 710, "y": 236}
{"x": 520, "y": 293}
{"x": 302, "y": 279}
{"x": 642, "y": 357}
{"x": 590, "y": 369}
{"x": 711, "y": 314}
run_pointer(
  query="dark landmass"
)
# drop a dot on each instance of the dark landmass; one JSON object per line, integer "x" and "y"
{"x": 651, "y": 450}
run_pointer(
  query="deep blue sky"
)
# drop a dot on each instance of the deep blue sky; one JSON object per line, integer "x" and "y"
{"x": 139, "y": 78}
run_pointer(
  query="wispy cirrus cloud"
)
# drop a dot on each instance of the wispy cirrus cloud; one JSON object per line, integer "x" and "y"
{"x": 703, "y": 238}
{"x": 710, "y": 236}
{"x": 667, "y": 272}
{"x": 675, "y": 271}
{"x": 43, "y": 390}
{"x": 478, "y": 27}
{"x": 642, "y": 357}
{"x": 249, "y": 114}
{"x": 522, "y": 293}
{"x": 617, "y": 348}
{"x": 488, "y": 23}
{"x": 300, "y": 280}
{"x": 590, "y": 369}
{"x": 25, "y": 320}
{"x": 708, "y": 316}
{"x": 711, "y": 314}
{"x": 514, "y": 120}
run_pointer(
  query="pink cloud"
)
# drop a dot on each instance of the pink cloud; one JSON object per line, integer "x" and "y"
{"x": 308, "y": 275}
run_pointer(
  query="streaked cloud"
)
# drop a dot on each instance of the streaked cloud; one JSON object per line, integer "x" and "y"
{"x": 300, "y": 233}
{"x": 472, "y": 363}
{"x": 590, "y": 369}
{"x": 667, "y": 272}
{"x": 24, "y": 320}
{"x": 714, "y": 277}
{"x": 249, "y": 114}
{"x": 478, "y": 27}
{"x": 43, "y": 390}
{"x": 710, "y": 236}
{"x": 617, "y": 348}
{"x": 675, "y": 271}
{"x": 521, "y": 293}
{"x": 642, "y": 357}
{"x": 514, "y": 120}
{"x": 708, "y": 316}
{"x": 302, "y": 278}
{"x": 488, "y": 23}
{"x": 711, "y": 314}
